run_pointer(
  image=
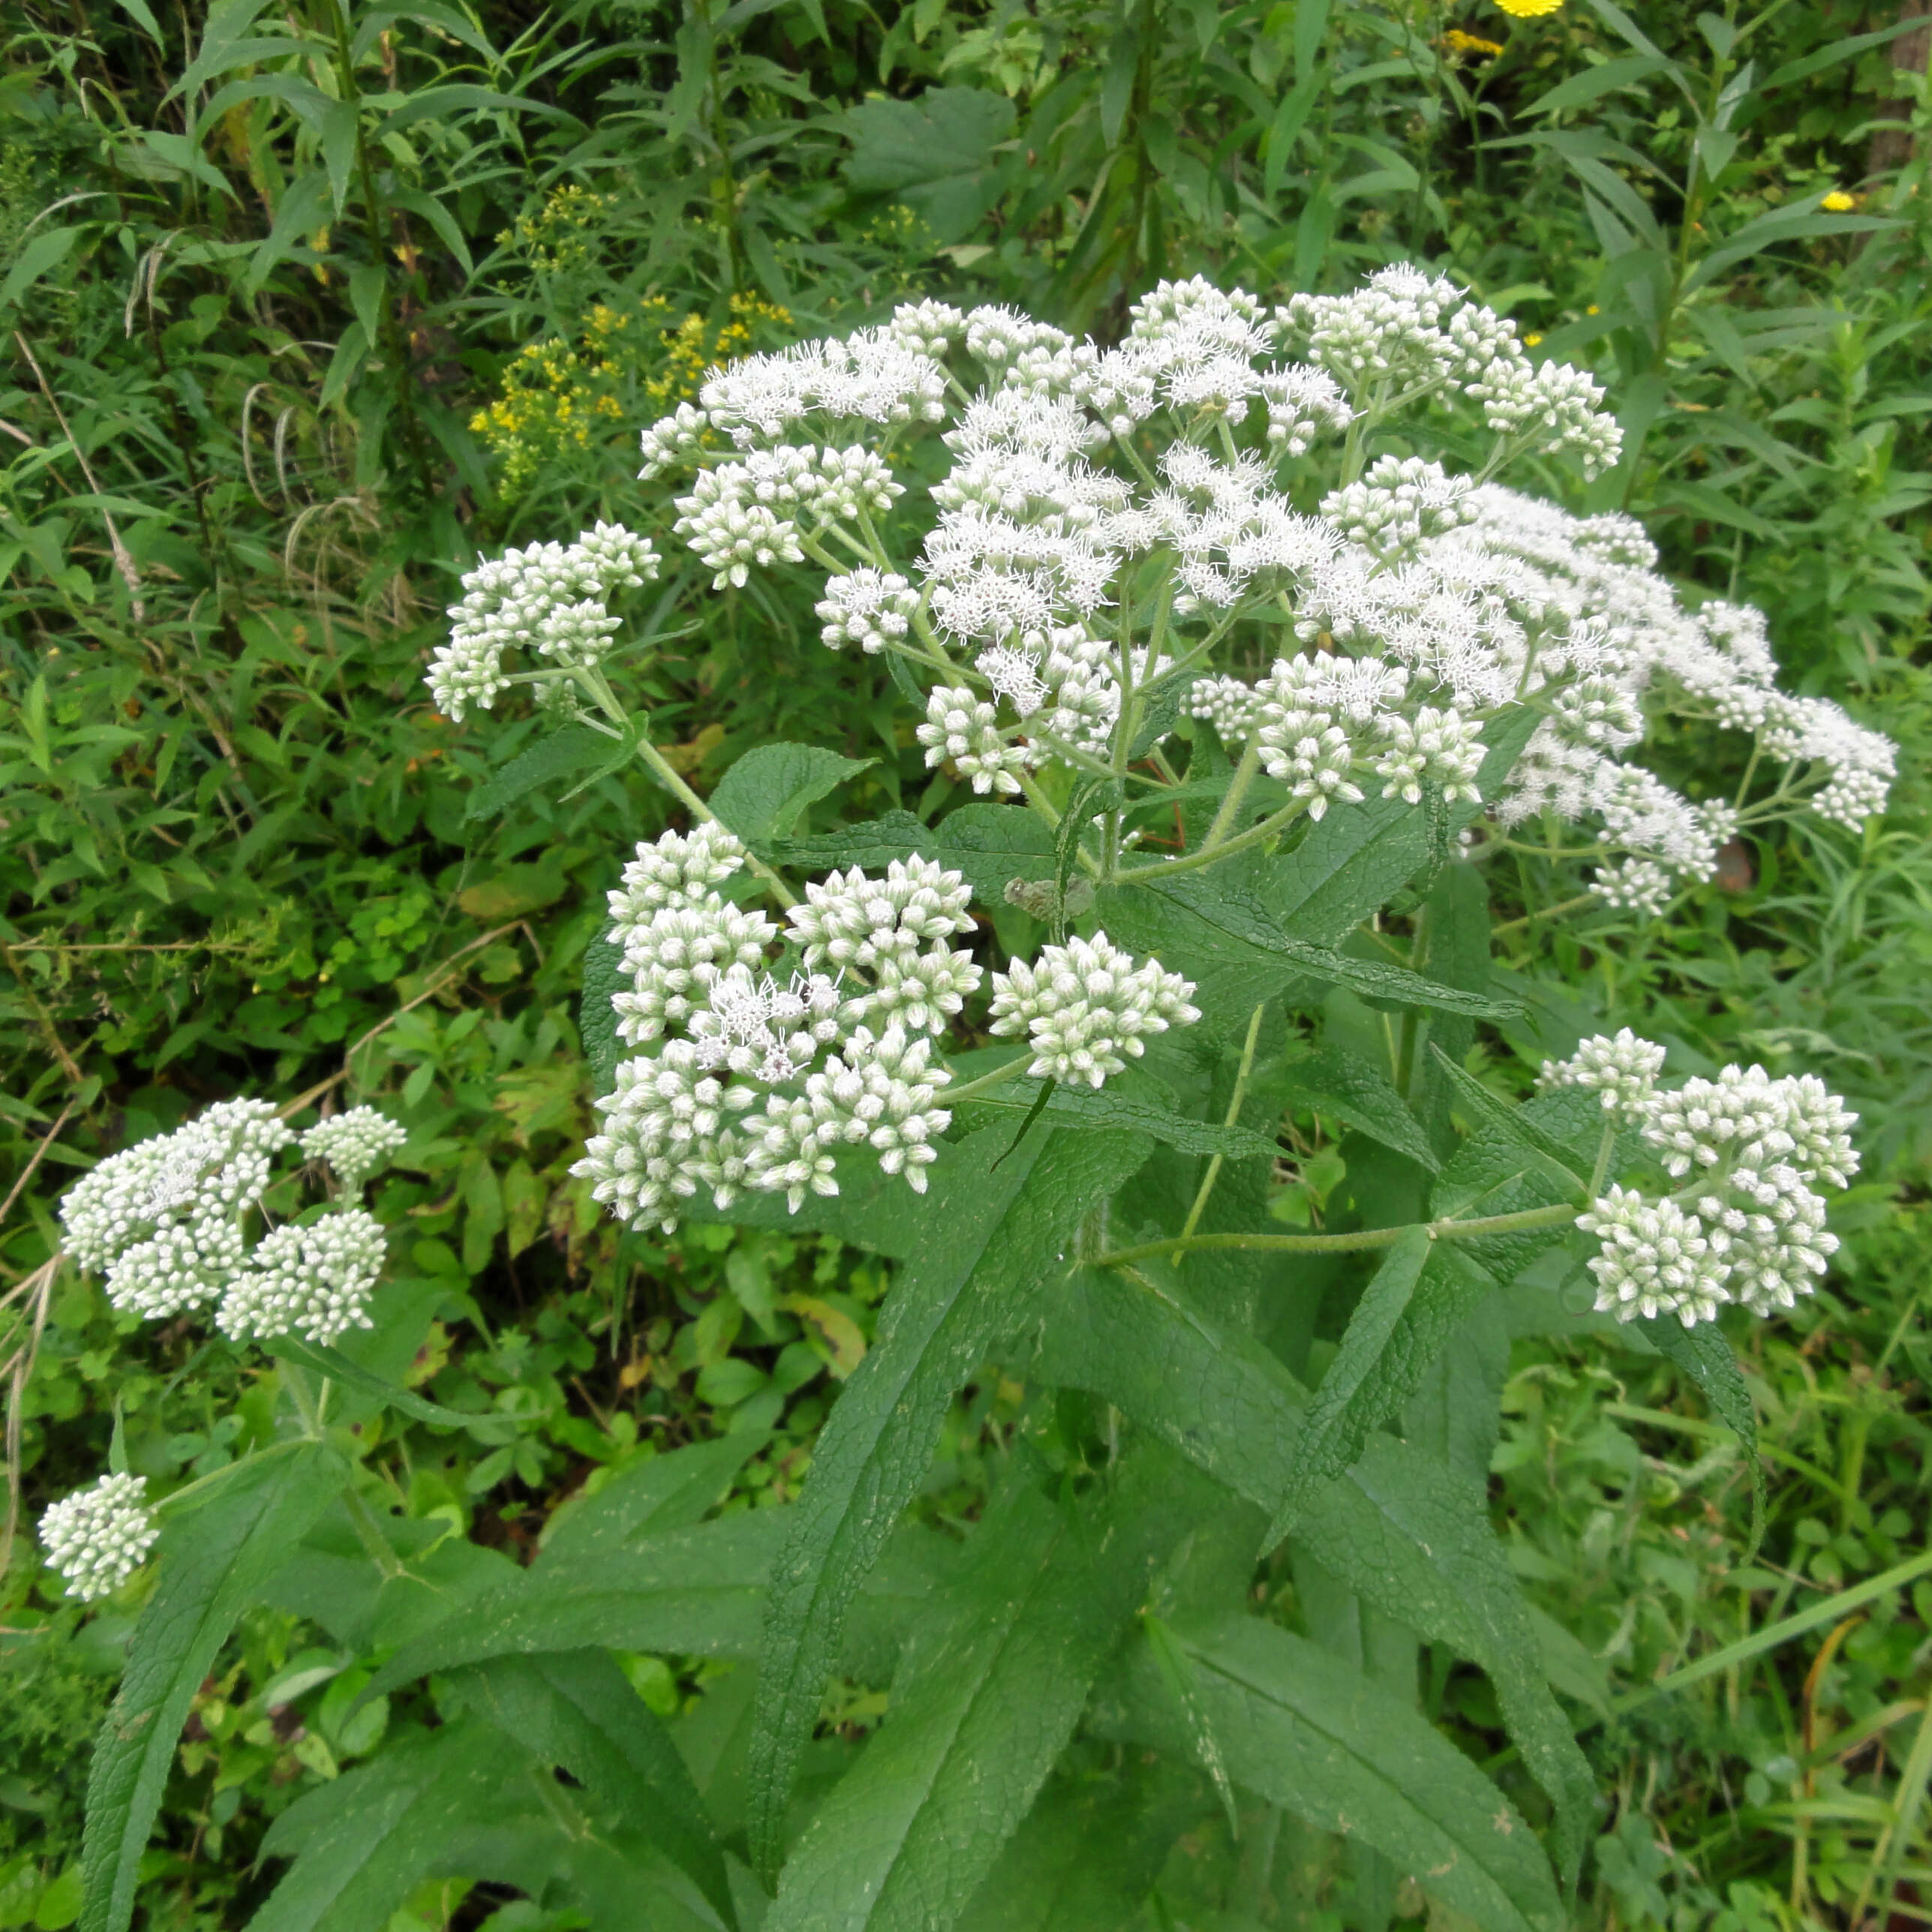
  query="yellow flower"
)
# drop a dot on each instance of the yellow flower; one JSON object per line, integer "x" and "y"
{"x": 1839, "y": 203}
{"x": 1528, "y": 9}
{"x": 1530, "y": 342}
{"x": 1458, "y": 42}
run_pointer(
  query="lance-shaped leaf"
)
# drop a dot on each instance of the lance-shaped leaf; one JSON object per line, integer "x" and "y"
{"x": 699, "y": 1591}
{"x": 450, "y": 1798}
{"x": 1402, "y": 1531}
{"x": 1098, "y": 1108}
{"x": 1490, "y": 1111}
{"x": 992, "y": 1240}
{"x": 1333, "y": 1081}
{"x": 487, "y": 1427}
{"x": 1088, "y": 1852}
{"x": 577, "y": 1710}
{"x": 663, "y": 1492}
{"x": 1305, "y": 1731}
{"x": 1350, "y": 864}
{"x": 214, "y": 1559}
{"x": 1359, "y": 1387}
{"x": 981, "y": 1713}
{"x": 1705, "y": 1357}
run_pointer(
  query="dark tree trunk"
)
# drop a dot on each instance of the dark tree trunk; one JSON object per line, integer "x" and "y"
{"x": 1911, "y": 53}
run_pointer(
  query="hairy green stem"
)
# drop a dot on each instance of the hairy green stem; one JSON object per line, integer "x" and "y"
{"x": 1242, "y": 1074}
{"x": 1338, "y": 1244}
{"x": 973, "y": 1088}
{"x": 1255, "y": 835}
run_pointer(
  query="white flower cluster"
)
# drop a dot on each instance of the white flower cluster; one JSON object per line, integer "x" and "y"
{"x": 354, "y": 1143}
{"x": 752, "y": 1084}
{"x": 165, "y": 1221}
{"x": 1744, "y": 1223}
{"x": 748, "y": 512}
{"x": 548, "y": 599}
{"x": 1104, "y": 521}
{"x": 1084, "y": 1005}
{"x": 735, "y": 1097}
{"x": 162, "y": 1221}
{"x": 314, "y": 1281}
{"x": 96, "y": 1538}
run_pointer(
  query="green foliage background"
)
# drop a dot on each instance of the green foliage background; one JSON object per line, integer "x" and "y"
{"x": 303, "y": 309}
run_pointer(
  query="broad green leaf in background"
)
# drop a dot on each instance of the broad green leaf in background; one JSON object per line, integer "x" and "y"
{"x": 698, "y": 1590}
{"x": 1402, "y": 1531}
{"x": 1088, "y": 1853}
{"x": 1104, "y": 1107}
{"x": 987, "y": 845}
{"x": 361, "y": 1842}
{"x": 983, "y": 1710}
{"x": 991, "y": 1242}
{"x": 935, "y": 153}
{"x": 1347, "y": 866}
{"x": 762, "y": 796}
{"x": 1305, "y": 1731}
{"x": 658, "y": 1493}
{"x": 576, "y": 1709}
{"x": 1357, "y": 1390}
{"x": 213, "y": 1560}
{"x": 575, "y": 748}
{"x": 1345, "y": 1086}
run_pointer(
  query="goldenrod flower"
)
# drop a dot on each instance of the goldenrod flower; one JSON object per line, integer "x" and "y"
{"x": 1528, "y": 9}
{"x": 1457, "y": 42}
{"x": 1839, "y": 203}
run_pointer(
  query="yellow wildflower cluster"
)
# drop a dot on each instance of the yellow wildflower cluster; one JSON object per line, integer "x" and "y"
{"x": 1839, "y": 203}
{"x": 565, "y": 394}
{"x": 562, "y": 235}
{"x": 1455, "y": 41}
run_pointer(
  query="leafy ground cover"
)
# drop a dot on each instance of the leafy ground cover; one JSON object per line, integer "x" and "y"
{"x": 299, "y": 319}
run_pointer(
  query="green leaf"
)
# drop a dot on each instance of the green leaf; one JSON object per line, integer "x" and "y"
{"x": 698, "y": 1590}
{"x": 45, "y": 251}
{"x": 213, "y": 1560}
{"x": 1085, "y": 1107}
{"x": 361, "y": 1842}
{"x": 1333, "y": 1081}
{"x": 1491, "y": 1111}
{"x": 760, "y": 797}
{"x": 1359, "y": 1387}
{"x": 1231, "y": 945}
{"x": 1705, "y": 1356}
{"x": 577, "y": 1710}
{"x": 981, "y": 1712}
{"x": 1595, "y": 82}
{"x": 1399, "y": 1528}
{"x": 1088, "y": 1854}
{"x": 604, "y": 978}
{"x": 659, "y": 1493}
{"x": 988, "y": 1246}
{"x": 571, "y": 749}
{"x": 1350, "y": 864}
{"x": 987, "y": 845}
{"x": 489, "y": 1427}
{"x": 1307, "y": 1732}
{"x": 937, "y": 154}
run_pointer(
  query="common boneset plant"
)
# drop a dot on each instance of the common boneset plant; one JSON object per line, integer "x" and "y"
{"x": 1245, "y": 686}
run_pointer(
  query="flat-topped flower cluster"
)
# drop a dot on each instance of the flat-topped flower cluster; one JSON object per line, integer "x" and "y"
{"x": 1741, "y": 1220}
{"x": 754, "y": 1081}
{"x": 166, "y": 1223}
{"x": 1203, "y": 496}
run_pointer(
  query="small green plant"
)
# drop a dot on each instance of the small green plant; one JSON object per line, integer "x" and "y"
{"x": 1207, "y": 904}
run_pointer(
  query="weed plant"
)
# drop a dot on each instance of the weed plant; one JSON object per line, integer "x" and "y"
{"x": 270, "y": 293}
